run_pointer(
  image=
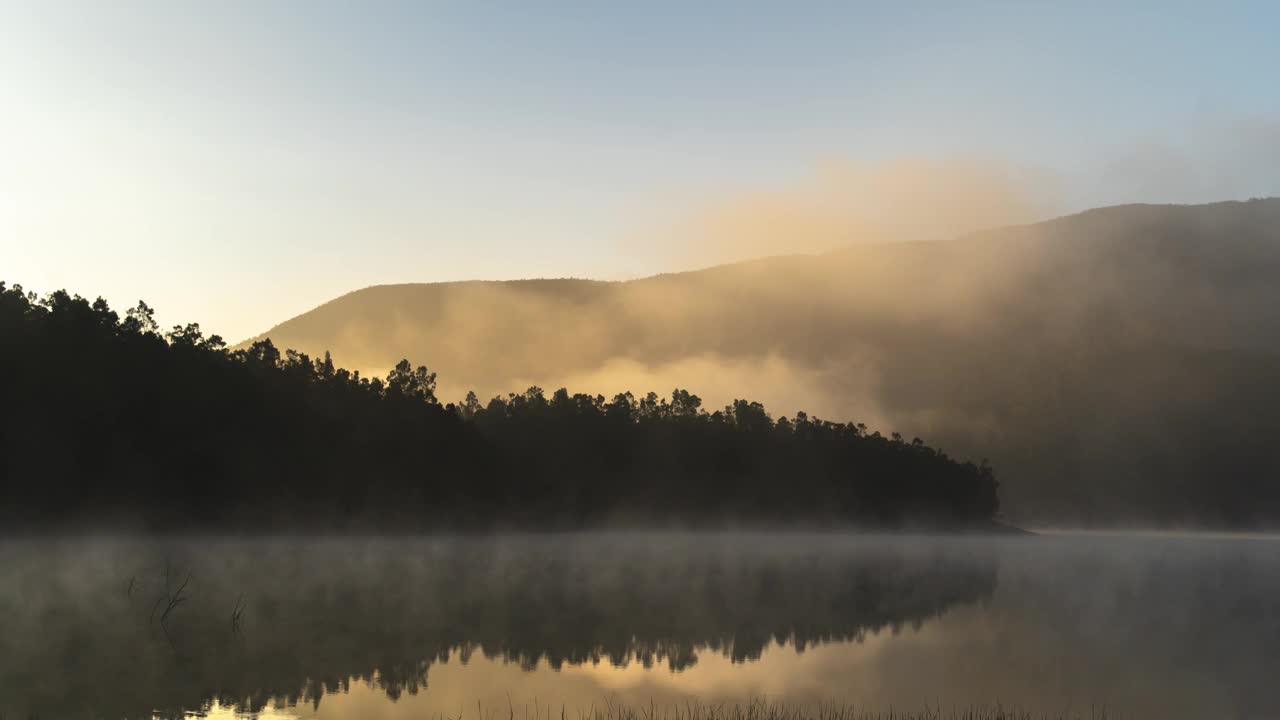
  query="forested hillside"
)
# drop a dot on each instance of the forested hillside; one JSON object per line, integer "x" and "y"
{"x": 110, "y": 423}
{"x": 1118, "y": 365}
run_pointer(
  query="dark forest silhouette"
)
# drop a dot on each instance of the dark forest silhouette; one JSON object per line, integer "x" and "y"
{"x": 107, "y": 420}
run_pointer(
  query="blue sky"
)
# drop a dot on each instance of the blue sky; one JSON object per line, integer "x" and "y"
{"x": 235, "y": 163}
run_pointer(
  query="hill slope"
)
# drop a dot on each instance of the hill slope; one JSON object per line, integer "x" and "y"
{"x": 1116, "y": 366}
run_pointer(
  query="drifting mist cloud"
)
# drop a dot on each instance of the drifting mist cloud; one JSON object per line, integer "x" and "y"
{"x": 843, "y": 203}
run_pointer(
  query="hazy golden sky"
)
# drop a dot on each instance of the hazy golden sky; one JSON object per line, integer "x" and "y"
{"x": 236, "y": 163}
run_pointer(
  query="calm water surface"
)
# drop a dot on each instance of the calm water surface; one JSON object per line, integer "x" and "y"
{"x": 1149, "y": 626}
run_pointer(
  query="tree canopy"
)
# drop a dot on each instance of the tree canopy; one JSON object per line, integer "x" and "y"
{"x": 108, "y": 419}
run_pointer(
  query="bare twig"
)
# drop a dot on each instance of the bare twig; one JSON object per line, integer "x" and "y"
{"x": 237, "y": 613}
{"x": 171, "y": 599}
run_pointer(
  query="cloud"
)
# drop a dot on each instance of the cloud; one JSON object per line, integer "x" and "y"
{"x": 843, "y": 203}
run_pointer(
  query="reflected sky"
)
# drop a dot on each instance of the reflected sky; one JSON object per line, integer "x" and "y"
{"x": 1148, "y": 626}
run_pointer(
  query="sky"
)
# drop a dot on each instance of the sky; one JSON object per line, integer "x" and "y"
{"x": 237, "y": 163}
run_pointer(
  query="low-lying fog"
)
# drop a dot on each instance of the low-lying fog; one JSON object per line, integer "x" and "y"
{"x": 1116, "y": 366}
{"x": 1147, "y": 625}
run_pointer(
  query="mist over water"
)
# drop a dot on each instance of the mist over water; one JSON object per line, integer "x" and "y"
{"x": 639, "y": 361}
{"x": 1167, "y": 626}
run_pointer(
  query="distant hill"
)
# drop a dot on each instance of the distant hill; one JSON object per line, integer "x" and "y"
{"x": 1118, "y": 365}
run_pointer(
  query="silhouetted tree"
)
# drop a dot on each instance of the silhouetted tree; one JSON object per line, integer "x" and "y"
{"x": 107, "y": 419}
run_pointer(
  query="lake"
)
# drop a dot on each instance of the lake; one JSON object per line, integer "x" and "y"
{"x": 525, "y": 626}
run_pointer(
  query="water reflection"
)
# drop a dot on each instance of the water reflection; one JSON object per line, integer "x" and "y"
{"x": 1169, "y": 627}
{"x": 280, "y": 621}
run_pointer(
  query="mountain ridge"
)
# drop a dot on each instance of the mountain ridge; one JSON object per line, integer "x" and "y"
{"x": 844, "y": 250}
{"x": 1111, "y": 345}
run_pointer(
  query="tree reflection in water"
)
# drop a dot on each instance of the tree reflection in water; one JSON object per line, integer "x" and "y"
{"x": 288, "y": 620}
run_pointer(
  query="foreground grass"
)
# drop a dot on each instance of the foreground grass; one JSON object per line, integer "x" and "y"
{"x": 765, "y": 710}
{"x": 754, "y": 710}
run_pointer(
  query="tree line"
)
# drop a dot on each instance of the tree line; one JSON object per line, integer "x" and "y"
{"x": 108, "y": 419}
